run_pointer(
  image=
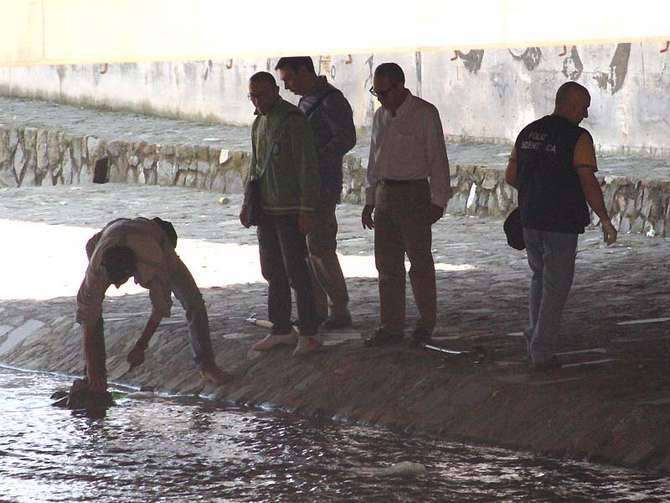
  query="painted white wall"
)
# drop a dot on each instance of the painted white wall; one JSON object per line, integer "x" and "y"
{"x": 492, "y": 101}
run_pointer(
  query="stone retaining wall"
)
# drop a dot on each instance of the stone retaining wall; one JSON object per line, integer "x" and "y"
{"x": 35, "y": 157}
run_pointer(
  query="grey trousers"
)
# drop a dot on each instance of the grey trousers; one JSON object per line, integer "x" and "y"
{"x": 187, "y": 292}
{"x": 403, "y": 226}
{"x": 551, "y": 257}
{"x": 328, "y": 285}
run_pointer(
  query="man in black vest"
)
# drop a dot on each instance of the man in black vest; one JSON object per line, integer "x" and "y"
{"x": 553, "y": 166}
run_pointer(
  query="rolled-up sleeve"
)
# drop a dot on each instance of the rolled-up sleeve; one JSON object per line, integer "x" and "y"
{"x": 438, "y": 162}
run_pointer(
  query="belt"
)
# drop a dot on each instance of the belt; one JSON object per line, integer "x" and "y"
{"x": 391, "y": 181}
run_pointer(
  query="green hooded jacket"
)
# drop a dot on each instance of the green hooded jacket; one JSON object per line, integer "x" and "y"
{"x": 284, "y": 159}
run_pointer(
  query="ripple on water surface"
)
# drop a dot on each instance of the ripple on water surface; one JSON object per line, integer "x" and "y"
{"x": 190, "y": 450}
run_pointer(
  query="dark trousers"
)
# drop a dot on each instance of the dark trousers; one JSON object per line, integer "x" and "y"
{"x": 283, "y": 257}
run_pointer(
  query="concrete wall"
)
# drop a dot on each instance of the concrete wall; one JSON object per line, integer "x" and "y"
{"x": 482, "y": 94}
{"x": 35, "y": 157}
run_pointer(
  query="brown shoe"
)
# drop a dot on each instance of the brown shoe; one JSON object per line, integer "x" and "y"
{"x": 381, "y": 337}
{"x": 337, "y": 322}
{"x": 272, "y": 341}
{"x": 307, "y": 344}
{"x": 421, "y": 336}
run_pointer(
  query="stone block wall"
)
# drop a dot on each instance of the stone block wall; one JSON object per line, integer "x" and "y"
{"x": 36, "y": 157}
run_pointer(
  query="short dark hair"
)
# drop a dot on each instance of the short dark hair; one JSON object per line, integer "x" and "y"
{"x": 263, "y": 77}
{"x": 392, "y": 71}
{"x": 168, "y": 229}
{"x": 296, "y": 63}
{"x": 120, "y": 262}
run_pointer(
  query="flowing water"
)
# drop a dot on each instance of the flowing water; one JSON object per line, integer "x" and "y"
{"x": 186, "y": 449}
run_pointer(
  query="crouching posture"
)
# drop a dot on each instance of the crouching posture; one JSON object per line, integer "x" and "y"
{"x": 145, "y": 250}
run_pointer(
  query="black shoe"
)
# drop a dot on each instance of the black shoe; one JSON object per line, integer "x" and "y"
{"x": 381, "y": 337}
{"x": 552, "y": 363}
{"x": 421, "y": 336}
{"x": 337, "y": 322}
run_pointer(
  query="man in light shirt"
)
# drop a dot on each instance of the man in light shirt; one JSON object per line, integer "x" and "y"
{"x": 143, "y": 249}
{"x": 408, "y": 187}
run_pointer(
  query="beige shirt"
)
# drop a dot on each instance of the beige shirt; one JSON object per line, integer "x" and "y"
{"x": 156, "y": 261}
{"x": 409, "y": 146}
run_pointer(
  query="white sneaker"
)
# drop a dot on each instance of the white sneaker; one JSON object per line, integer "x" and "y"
{"x": 306, "y": 345}
{"x": 272, "y": 341}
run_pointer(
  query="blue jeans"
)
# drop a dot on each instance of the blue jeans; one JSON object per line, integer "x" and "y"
{"x": 551, "y": 257}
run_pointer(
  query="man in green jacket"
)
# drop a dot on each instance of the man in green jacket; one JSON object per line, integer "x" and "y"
{"x": 284, "y": 162}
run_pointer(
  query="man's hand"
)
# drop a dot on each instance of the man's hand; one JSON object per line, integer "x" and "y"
{"x": 305, "y": 223}
{"x": 244, "y": 216}
{"x": 609, "y": 232}
{"x": 366, "y": 217}
{"x": 136, "y": 357}
{"x": 436, "y": 212}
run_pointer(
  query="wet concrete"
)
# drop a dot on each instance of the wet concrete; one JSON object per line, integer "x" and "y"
{"x": 612, "y": 403}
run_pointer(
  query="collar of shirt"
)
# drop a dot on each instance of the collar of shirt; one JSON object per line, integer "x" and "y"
{"x": 319, "y": 89}
{"x": 404, "y": 107}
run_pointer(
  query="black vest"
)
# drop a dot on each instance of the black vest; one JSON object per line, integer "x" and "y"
{"x": 550, "y": 194}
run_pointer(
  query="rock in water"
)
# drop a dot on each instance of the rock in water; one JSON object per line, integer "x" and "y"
{"x": 81, "y": 396}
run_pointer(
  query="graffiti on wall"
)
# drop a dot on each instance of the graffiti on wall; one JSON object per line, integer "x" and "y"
{"x": 617, "y": 71}
{"x": 530, "y": 57}
{"x": 472, "y": 60}
{"x": 572, "y": 64}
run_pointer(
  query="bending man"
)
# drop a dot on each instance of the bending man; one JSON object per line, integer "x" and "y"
{"x": 145, "y": 250}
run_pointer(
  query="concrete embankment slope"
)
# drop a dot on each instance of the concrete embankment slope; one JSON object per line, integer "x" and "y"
{"x": 612, "y": 404}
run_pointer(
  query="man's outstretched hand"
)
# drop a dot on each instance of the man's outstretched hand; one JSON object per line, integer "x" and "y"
{"x": 136, "y": 357}
{"x": 609, "y": 232}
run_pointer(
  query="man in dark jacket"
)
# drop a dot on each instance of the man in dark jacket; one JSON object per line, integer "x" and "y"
{"x": 552, "y": 165}
{"x": 331, "y": 118}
